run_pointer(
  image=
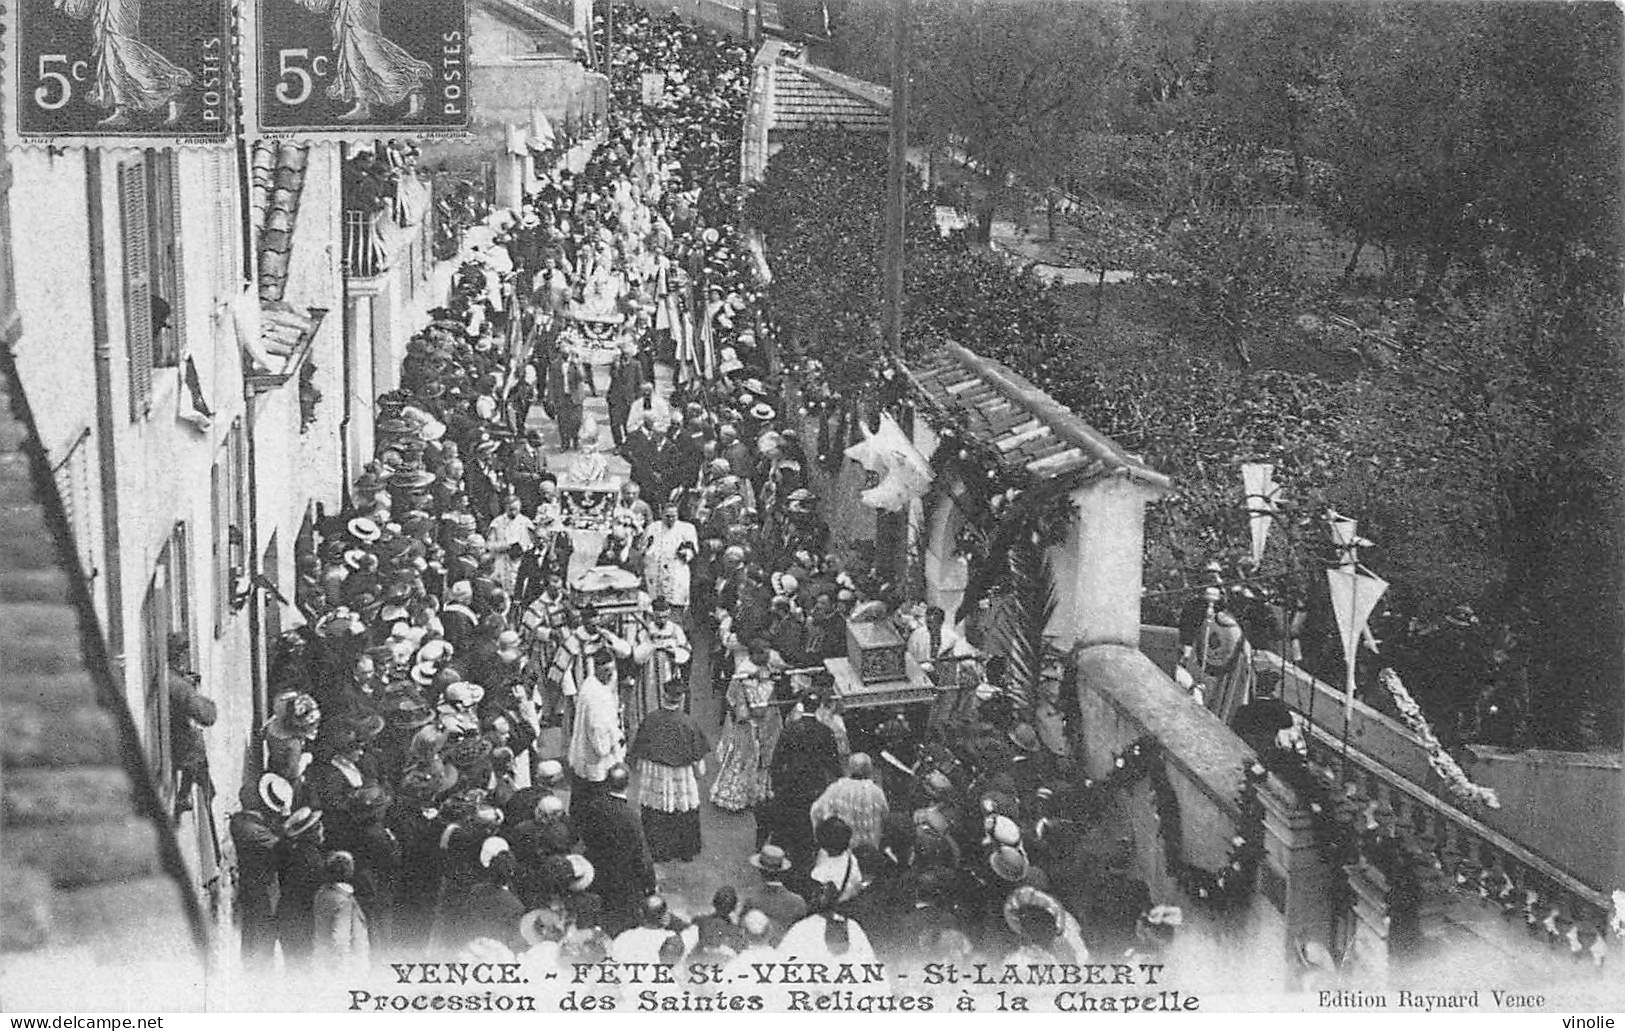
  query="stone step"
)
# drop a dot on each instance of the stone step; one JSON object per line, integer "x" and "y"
{"x": 38, "y": 585}
{"x": 25, "y": 542}
{"x": 36, "y": 795}
{"x": 151, "y": 922}
{"x": 92, "y": 852}
{"x": 39, "y": 638}
{"x": 53, "y": 692}
{"x": 38, "y": 733}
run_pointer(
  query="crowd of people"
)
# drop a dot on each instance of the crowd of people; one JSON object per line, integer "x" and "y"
{"x": 487, "y": 741}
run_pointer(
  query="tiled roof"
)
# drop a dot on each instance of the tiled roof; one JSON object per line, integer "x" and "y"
{"x": 549, "y": 24}
{"x": 809, "y": 97}
{"x": 277, "y": 180}
{"x": 89, "y": 867}
{"x": 1028, "y": 427}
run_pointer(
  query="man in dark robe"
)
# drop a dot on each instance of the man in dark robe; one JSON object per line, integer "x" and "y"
{"x": 1260, "y": 722}
{"x": 638, "y": 446}
{"x": 668, "y": 758}
{"x": 805, "y": 761}
{"x": 612, "y": 840}
{"x": 624, "y": 387}
{"x": 256, "y": 832}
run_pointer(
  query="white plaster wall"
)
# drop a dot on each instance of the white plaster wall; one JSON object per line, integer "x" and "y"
{"x": 54, "y": 354}
{"x": 316, "y": 280}
{"x": 162, "y": 463}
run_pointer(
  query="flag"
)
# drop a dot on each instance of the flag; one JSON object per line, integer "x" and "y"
{"x": 1354, "y": 597}
{"x": 705, "y": 340}
{"x": 1346, "y": 538}
{"x": 1258, "y": 481}
{"x": 905, "y": 474}
{"x": 682, "y": 333}
{"x": 1343, "y": 536}
{"x": 865, "y": 452}
{"x": 900, "y": 454}
{"x": 539, "y": 134}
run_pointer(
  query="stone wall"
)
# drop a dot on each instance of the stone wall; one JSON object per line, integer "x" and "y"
{"x": 1123, "y": 697}
{"x": 1548, "y": 799}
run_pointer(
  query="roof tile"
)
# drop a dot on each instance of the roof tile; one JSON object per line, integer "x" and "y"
{"x": 1034, "y": 430}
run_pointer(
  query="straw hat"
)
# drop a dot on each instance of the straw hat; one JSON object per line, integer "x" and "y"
{"x": 771, "y": 859}
{"x": 301, "y": 821}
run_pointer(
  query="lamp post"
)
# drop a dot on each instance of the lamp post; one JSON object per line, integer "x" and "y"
{"x": 896, "y": 193}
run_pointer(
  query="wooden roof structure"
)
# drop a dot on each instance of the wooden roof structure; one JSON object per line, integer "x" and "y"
{"x": 1029, "y": 429}
{"x": 805, "y": 96}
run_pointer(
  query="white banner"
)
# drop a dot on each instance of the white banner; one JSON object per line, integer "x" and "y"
{"x": 1354, "y": 597}
{"x": 1345, "y": 536}
{"x": 906, "y": 475}
{"x": 1258, "y": 481}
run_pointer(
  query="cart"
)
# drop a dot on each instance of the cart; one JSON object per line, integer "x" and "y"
{"x": 587, "y": 507}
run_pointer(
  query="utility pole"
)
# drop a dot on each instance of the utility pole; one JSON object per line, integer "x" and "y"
{"x": 896, "y": 193}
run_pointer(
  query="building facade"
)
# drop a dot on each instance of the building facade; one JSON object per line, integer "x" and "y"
{"x": 187, "y": 457}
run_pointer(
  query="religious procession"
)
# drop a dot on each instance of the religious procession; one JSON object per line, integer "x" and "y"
{"x": 719, "y": 571}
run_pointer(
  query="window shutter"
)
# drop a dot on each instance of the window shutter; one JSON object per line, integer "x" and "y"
{"x": 132, "y": 184}
{"x": 227, "y": 224}
{"x": 217, "y": 545}
{"x": 172, "y": 227}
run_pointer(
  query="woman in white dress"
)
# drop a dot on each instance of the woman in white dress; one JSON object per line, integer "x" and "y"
{"x": 129, "y": 74}
{"x": 369, "y": 69}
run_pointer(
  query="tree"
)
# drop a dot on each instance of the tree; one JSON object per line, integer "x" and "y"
{"x": 1238, "y": 281}
{"x": 1265, "y": 60}
{"x": 1003, "y": 80}
{"x": 1461, "y": 133}
{"x": 1112, "y": 238}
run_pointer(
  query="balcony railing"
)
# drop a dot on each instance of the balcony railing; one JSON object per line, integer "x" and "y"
{"x": 1469, "y": 861}
{"x": 366, "y": 248}
{"x": 373, "y": 240}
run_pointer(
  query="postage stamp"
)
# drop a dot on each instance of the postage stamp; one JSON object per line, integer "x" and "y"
{"x": 348, "y": 65}
{"x": 123, "y": 70}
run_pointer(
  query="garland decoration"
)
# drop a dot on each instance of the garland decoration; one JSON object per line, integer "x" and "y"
{"x": 1349, "y": 831}
{"x": 1230, "y": 887}
{"x": 1001, "y": 504}
{"x": 1442, "y": 762}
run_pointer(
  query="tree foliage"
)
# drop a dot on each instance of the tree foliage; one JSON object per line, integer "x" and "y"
{"x": 1005, "y": 82}
{"x": 1478, "y": 438}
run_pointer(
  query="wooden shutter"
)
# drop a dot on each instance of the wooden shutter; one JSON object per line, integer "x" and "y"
{"x": 132, "y": 187}
{"x": 227, "y": 224}
{"x": 218, "y": 545}
{"x": 170, "y": 241}
{"x": 228, "y": 499}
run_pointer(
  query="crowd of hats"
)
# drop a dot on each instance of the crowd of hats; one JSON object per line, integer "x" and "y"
{"x": 399, "y": 731}
{"x": 396, "y": 732}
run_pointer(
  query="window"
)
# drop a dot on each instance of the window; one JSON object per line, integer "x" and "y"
{"x": 228, "y": 539}
{"x": 164, "y": 612}
{"x": 164, "y": 243}
{"x": 154, "y": 300}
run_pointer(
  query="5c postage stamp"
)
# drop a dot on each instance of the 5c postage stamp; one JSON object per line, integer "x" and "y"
{"x": 348, "y": 65}
{"x": 122, "y": 70}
